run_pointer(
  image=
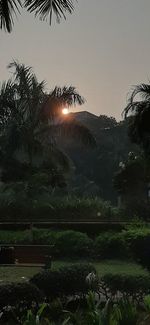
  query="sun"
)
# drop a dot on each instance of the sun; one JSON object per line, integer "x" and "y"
{"x": 65, "y": 111}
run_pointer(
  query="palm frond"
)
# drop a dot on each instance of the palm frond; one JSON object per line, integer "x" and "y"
{"x": 7, "y": 103}
{"x": 134, "y": 106}
{"x": 57, "y": 99}
{"x": 8, "y": 8}
{"x": 74, "y": 130}
{"x": 138, "y": 113}
{"x": 58, "y": 158}
{"x": 45, "y": 8}
{"x": 143, "y": 90}
{"x": 22, "y": 74}
{"x": 26, "y": 135}
{"x": 67, "y": 96}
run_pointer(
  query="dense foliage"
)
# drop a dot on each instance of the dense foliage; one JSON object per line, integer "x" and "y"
{"x": 135, "y": 286}
{"x": 122, "y": 312}
{"x": 31, "y": 122}
{"x": 31, "y": 201}
{"x": 132, "y": 184}
{"x": 16, "y": 293}
{"x": 67, "y": 281}
{"x": 96, "y": 176}
{"x": 110, "y": 245}
{"x": 133, "y": 243}
{"x": 138, "y": 108}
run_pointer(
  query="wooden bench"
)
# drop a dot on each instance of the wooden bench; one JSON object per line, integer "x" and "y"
{"x": 25, "y": 255}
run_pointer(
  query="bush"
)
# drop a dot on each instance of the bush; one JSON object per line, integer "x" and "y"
{"x": 138, "y": 241}
{"x": 132, "y": 285}
{"x": 73, "y": 243}
{"x": 15, "y": 293}
{"x": 110, "y": 245}
{"x": 69, "y": 280}
{"x": 15, "y": 237}
{"x": 43, "y": 237}
{"x": 67, "y": 243}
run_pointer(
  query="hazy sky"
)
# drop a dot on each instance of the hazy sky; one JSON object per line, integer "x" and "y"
{"x": 102, "y": 49}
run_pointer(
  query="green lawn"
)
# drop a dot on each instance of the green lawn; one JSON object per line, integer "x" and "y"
{"x": 11, "y": 274}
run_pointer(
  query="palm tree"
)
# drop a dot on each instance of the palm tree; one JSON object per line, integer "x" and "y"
{"x": 138, "y": 113}
{"x": 31, "y": 122}
{"x": 41, "y": 8}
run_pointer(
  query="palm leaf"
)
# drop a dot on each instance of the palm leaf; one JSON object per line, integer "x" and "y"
{"x": 8, "y": 8}
{"x": 138, "y": 111}
{"x": 45, "y": 8}
{"x": 7, "y": 103}
{"x": 57, "y": 158}
{"x": 57, "y": 99}
{"x": 143, "y": 90}
{"x": 75, "y": 130}
{"x": 134, "y": 106}
{"x": 67, "y": 96}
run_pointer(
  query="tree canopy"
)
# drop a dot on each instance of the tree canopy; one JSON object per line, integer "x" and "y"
{"x": 138, "y": 113}
{"x": 31, "y": 122}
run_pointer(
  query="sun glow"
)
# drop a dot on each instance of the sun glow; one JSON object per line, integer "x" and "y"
{"x": 65, "y": 111}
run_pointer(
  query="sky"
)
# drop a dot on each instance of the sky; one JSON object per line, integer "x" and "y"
{"x": 103, "y": 49}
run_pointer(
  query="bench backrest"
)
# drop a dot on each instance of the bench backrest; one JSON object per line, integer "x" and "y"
{"x": 28, "y": 253}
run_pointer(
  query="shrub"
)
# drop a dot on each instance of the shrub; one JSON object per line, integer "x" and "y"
{"x": 73, "y": 243}
{"x": 15, "y": 237}
{"x": 69, "y": 280}
{"x": 133, "y": 285}
{"x": 43, "y": 236}
{"x": 66, "y": 243}
{"x": 138, "y": 241}
{"x": 110, "y": 245}
{"x": 15, "y": 293}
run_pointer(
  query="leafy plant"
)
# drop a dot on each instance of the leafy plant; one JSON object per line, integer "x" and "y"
{"x": 125, "y": 313}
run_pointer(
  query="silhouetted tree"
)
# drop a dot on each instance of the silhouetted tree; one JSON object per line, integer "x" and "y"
{"x": 31, "y": 122}
{"x": 138, "y": 114}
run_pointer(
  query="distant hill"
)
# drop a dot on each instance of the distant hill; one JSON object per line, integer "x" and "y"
{"x": 84, "y": 116}
{"x": 93, "y": 121}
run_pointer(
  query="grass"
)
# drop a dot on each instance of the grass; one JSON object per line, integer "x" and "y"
{"x": 110, "y": 266}
{"x": 18, "y": 274}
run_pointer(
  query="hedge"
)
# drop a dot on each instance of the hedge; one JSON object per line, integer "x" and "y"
{"x": 135, "y": 286}
{"x": 67, "y": 243}
{"x": 67, "y": 281}
{"x": 138, "y": 244}
{"x": 16, "y": 293}
{"x": 133, "y": 243}
{"x": 110, "y": 245}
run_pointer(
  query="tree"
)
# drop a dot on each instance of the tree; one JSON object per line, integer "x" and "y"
{"x": 139, "y": 108}
{"x": 42, "y": 8}
{"x": 132, "y": 183}
{"x": 31, "y": 123}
